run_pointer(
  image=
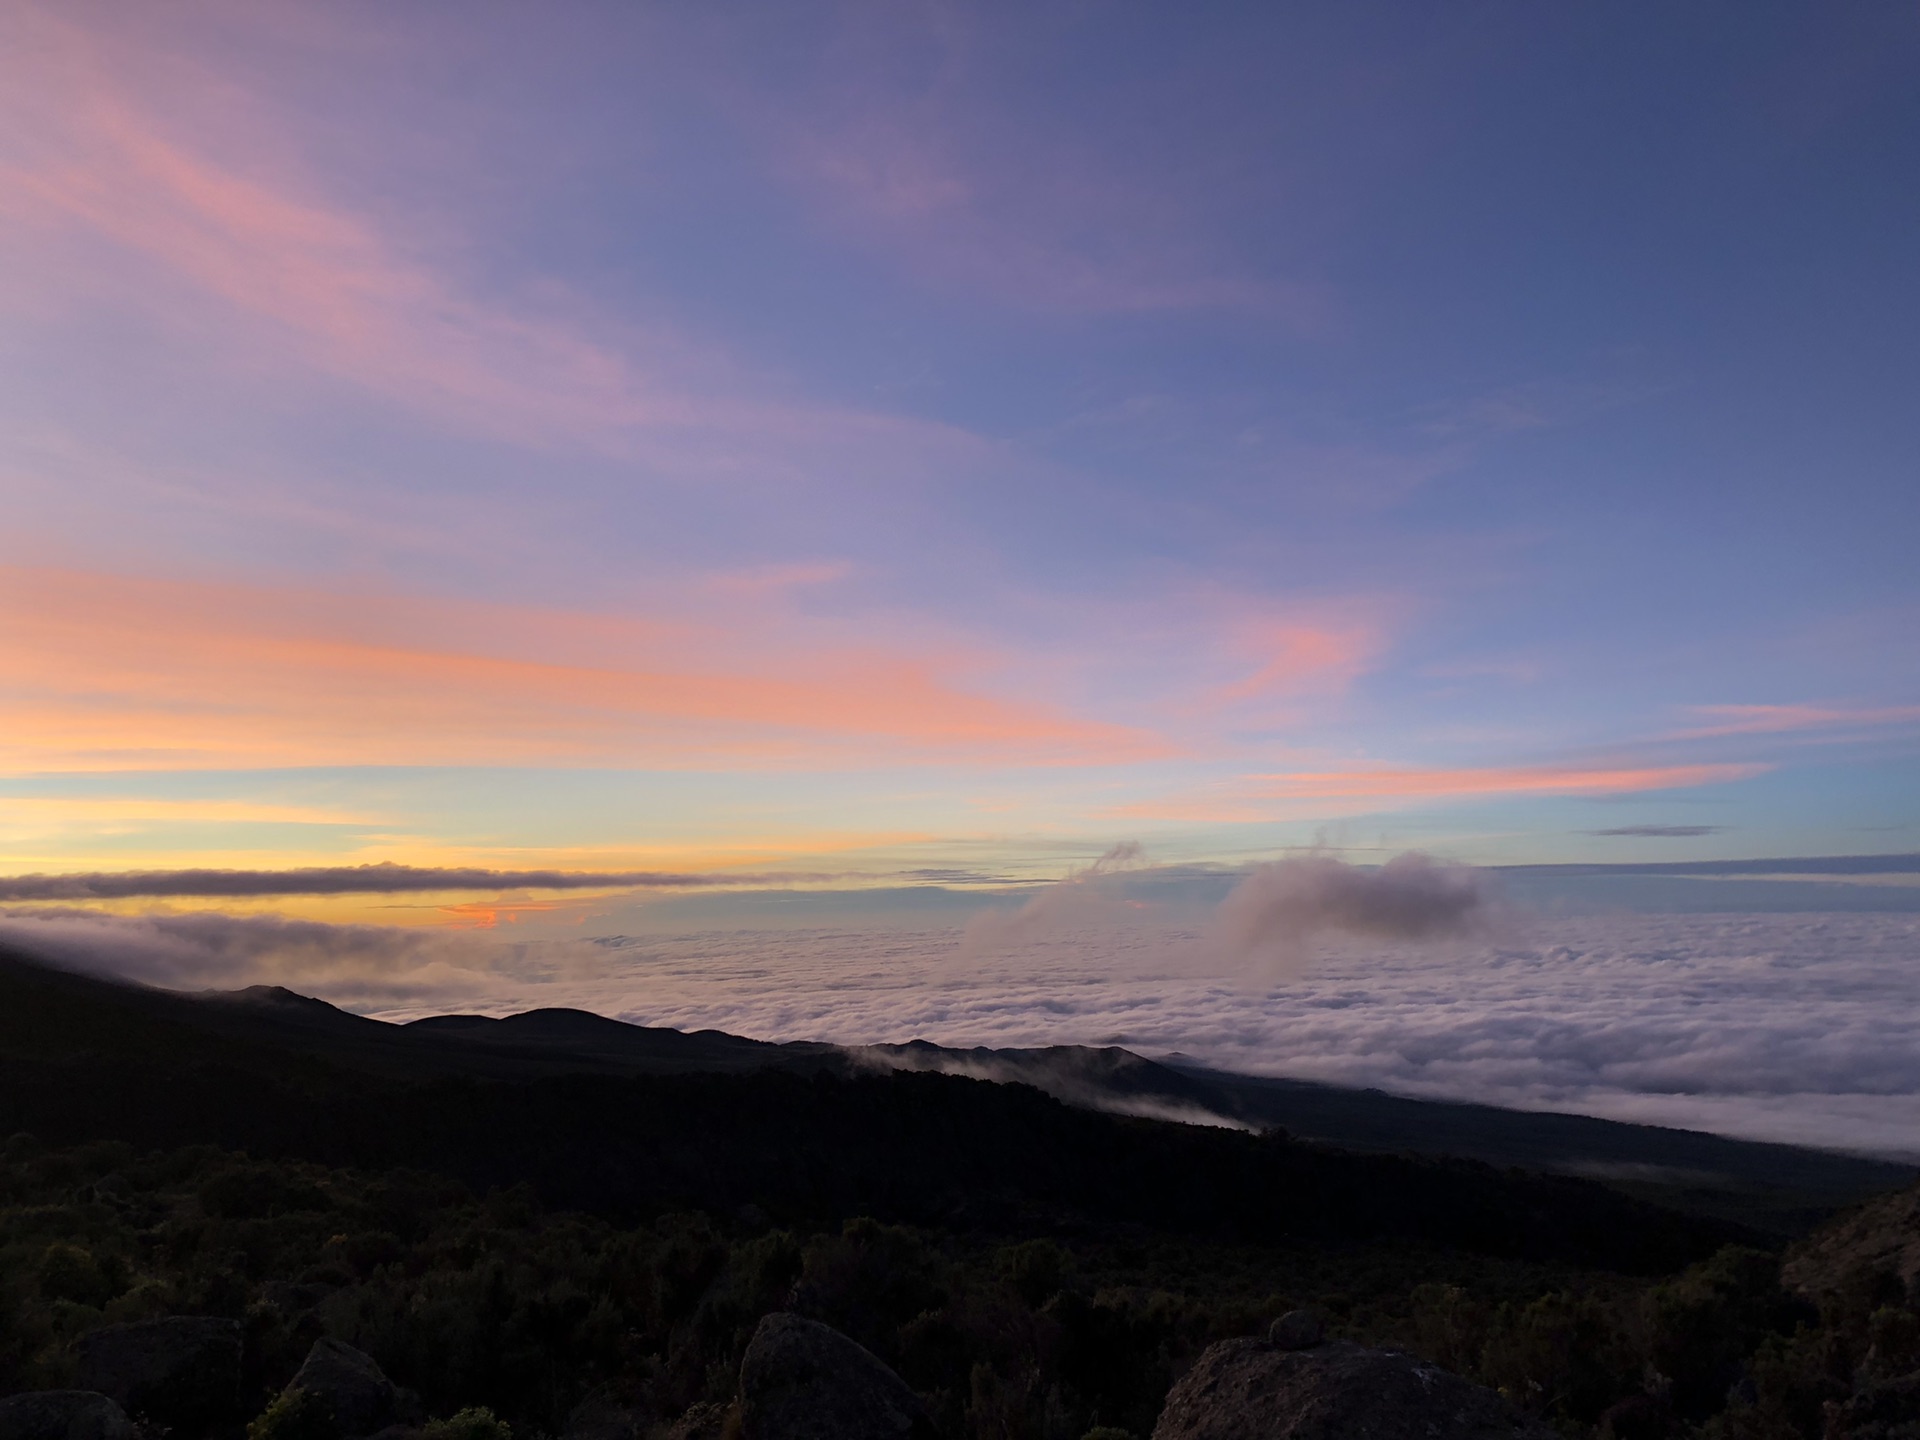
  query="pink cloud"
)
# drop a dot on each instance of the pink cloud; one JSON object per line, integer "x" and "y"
{"x": 344, "y": 294}
{"x": 1293, "y": 656}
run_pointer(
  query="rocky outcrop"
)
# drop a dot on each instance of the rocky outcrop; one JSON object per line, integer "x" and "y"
{"x": 1297, "y": 1330}
{"x": 63, "y": 1415}
{"x": 183, "y": 1371}
{"x": 363, "y": 1400}
{"x": 1882, "y": 1236}
{"x": 1887, "y": 1410}
{"x": 801, "y": 1380}
{"x": 1257, "y": 1390}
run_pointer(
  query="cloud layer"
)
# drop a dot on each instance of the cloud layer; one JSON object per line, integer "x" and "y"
{"x": 1783, "y": 1027}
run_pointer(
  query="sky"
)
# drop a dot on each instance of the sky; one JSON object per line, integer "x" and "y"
{"x": 871, "y": 439}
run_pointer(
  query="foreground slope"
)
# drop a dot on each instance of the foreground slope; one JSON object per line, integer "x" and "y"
{"x": 83, "y": 1059}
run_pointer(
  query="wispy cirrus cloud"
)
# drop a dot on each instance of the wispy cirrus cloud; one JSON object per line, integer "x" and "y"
{"x": 1270, "y": 796}
{"x": 925, "y": 165}
{"x": 1499, "y": 780}
{"x": 310, "y": 280}
{"x": 1296, "y": 656}
{"x": 109, "y": 672}
{"x": 904, "y": 186}
{"x": 36, "y": 812}
{"x": 1841, "y": 721}
{"x": 382, "y": 879}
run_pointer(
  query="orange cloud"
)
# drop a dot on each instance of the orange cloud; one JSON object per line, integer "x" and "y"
{"x": 1388, "y": 785}
{"x": 40, "y": 813}
{"x": 107, "y": 672}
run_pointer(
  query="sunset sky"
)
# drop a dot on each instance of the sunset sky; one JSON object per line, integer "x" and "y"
{"x": 904, "y": 442}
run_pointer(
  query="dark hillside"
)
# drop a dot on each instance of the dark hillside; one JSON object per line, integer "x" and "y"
{"x": 1783, "y": 1189}
{"x": 84, "y": 1060}
{"x": 580, "y": 1039}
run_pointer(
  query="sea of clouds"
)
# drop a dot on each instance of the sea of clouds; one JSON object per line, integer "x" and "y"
{"x": 1791, "y": 1027}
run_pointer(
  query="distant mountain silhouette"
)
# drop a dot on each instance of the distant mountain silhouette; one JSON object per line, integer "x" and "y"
{"x": 594, "y": 1040}
{"x": 271, "y": 1069}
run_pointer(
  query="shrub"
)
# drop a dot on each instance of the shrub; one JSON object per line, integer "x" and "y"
{"x": 476, "y": 1422}
{"x": 68, "y": 1272}
{"x": 296, "y": 1415}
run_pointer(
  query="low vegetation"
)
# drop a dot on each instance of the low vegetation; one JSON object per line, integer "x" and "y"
{"x": 505, "y": 1315}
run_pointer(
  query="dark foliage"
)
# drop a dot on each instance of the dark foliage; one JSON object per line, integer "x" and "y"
{"x": 505, "y": 1315}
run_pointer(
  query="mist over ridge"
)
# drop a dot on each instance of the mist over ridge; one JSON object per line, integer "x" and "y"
{"x": 1783, "y": 1026}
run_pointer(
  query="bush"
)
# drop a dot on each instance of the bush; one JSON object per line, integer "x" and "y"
{"x": 1036, "y": 1269}
{"x": 476, "y": 1422}
{"x": 1704, "y": 1323}
{"x": 296, "y": 1415}
{"x": 67, "y": 1272}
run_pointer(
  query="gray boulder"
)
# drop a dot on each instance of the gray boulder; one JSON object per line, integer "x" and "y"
{"x": 1255, "y": 1390}
{"x": 349, "y": 1380}
{"x": 1297, "y": 1330}
{"x": 801, "y": 1380}
{"x": 183, "y": 1371}
{"x": 63, "y": 1415}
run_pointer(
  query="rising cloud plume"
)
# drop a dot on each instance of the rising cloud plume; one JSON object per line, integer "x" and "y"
{"x": 1278, "y": 907}
{"x": 1082, "y": 898}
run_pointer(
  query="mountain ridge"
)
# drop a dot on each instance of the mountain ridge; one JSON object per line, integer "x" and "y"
{"x": 272, "y": 1029}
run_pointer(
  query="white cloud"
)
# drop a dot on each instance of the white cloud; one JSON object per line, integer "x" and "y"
{"x": 1782, "y": 1027}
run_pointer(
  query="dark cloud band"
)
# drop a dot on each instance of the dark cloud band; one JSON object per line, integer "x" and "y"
{"x": 1907, "y": 864}
{"x": 1662, "y": 832}
{"x": 383, "y": 879}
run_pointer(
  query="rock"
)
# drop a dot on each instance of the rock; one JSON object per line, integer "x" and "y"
{"x": 362, "y": 1397}
{"x": 601, "y": 1416}
{"x": 1888, "y": 1410}
{"x": 1254, "y": 1390}
{"x": 63, "y": 1415}
{"x": 703, "y": 1421}
{"x": 183, "y": 1371}
{"x": 1882, "y": 1235}
{"x": 1639, "y": 1417}
{"x": 1296, "y": 1330}
{"x": 801, "y": 1380}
